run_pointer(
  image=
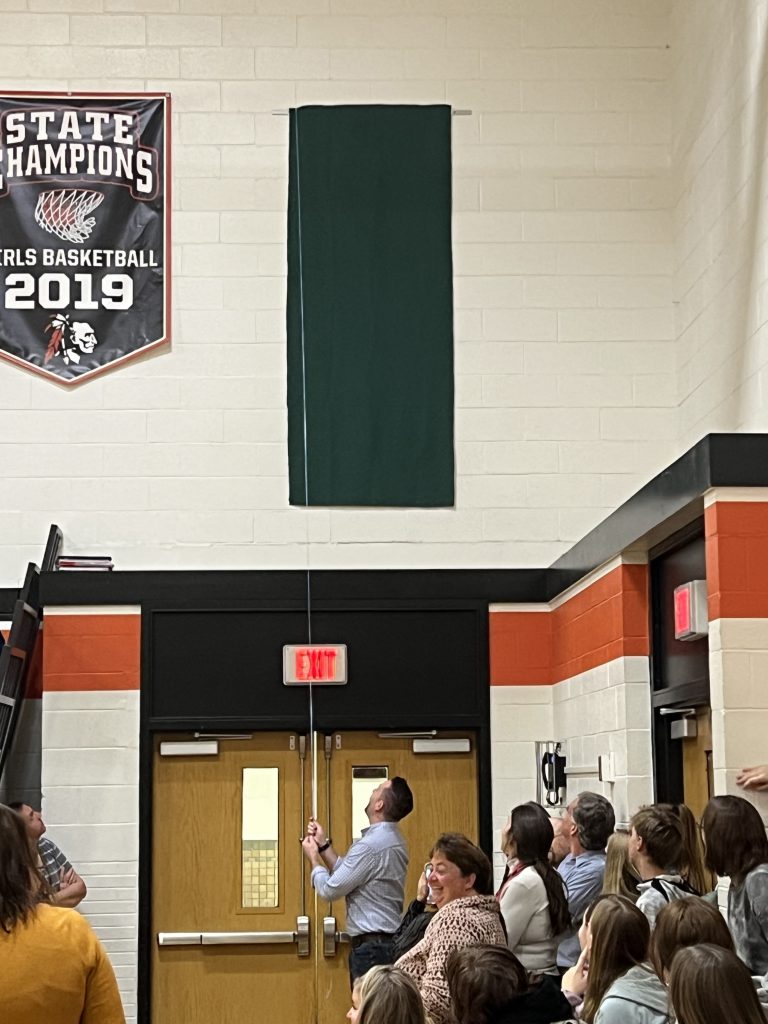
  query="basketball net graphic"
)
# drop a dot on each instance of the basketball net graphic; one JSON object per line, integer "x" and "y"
{"x": 64, "y": 212}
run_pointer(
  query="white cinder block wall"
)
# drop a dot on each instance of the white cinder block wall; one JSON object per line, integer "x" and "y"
{"x": 738, "y": 662}
{"x": 571, "y": 671}
{"x": 563, "y": 255}
{"x": 737, "y": 524}
{"x": 607, "y": 710}
{"x": 90, "y": 776}
{"x": 520, "y": 715}
{"x": 720, "y": 116}
{"x": 90, "y": 768}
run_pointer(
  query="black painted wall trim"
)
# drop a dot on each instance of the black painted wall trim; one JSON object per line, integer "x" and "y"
{"x": 185, "y": 589}
{"x": 8, "y": 598}
{"x": 718, "y": 460}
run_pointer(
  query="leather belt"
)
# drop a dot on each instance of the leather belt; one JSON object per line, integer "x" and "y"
{"x": 359, "y": 940}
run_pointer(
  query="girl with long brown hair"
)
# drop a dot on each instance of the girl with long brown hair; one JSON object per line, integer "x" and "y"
{"x": 613, "y": 974}
{"x": 693, "y": 867}
{"x": 685, "y": 923}
{"x": 54, "y": 969}
{"x": 710, "y": 985}
{"x": 533, "y": 900}
{"x": 489, "y": 985}
{"x": 736, "y": 846}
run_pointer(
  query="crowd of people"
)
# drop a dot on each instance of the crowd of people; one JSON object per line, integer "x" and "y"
{"x": 590, "y": 923}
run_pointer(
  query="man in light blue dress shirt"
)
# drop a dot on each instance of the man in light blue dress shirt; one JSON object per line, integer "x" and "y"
{"x": 370, "y": 876}
{"x": 588, "y": 823}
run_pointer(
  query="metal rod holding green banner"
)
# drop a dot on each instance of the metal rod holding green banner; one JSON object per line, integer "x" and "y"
{"x": 454, "y": 113}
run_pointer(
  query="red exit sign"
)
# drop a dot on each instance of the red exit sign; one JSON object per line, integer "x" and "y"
{"x": 691, "y": 614}
{"x": 314, "y": 664}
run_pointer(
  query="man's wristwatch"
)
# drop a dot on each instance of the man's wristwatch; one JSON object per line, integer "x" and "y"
{"x": 324, "y": 847}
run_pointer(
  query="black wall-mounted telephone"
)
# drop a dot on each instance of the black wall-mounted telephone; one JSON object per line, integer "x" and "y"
{"x": 553, "y": 775}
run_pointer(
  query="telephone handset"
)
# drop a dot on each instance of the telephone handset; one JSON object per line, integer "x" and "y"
{"x": 553, "y": 775}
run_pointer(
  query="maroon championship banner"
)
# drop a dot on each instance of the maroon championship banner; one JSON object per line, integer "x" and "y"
{"x": 84, "y": 230}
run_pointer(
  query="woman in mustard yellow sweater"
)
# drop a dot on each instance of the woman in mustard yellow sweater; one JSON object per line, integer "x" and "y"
{"x": 52, "y": 966}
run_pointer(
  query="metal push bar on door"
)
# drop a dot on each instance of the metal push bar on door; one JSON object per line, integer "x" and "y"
{"x": 331, "y": 936}
{"x": 247, "y": 938}
{"x": 300, "y": 938}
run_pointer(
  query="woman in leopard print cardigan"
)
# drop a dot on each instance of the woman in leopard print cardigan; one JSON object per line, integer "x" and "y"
{"x": 467, "y": 915}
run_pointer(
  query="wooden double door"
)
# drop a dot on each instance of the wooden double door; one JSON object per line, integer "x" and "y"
{"x": 238, "y": 934}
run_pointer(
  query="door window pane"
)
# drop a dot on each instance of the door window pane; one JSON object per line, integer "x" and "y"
{"x": 260, "y": 837}
{"x": 364, "y": 781}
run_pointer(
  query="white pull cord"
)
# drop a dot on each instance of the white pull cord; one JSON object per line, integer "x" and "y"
{"x": 312, "y": 734}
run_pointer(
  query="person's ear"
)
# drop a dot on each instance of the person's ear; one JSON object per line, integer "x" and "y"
{"x": 471, "y": 879}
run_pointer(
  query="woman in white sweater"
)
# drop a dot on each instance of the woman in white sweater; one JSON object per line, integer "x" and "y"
{"x": 533, "y": 900}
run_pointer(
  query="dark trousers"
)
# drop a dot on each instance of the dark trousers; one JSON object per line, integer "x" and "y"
{"x": 367, "y": 955}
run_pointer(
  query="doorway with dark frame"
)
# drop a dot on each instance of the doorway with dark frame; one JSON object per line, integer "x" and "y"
{"x": 680, "y": 694}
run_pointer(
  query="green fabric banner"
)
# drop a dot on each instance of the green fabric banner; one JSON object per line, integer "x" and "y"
{"x": 370, "y": 306}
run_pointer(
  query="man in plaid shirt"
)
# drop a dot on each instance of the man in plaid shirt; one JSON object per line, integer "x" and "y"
{"x": 67, "y": 886}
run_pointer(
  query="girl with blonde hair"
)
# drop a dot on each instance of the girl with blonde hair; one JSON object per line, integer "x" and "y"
{"x": 620, "y": 878}
{"x": 385, "y": 995}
